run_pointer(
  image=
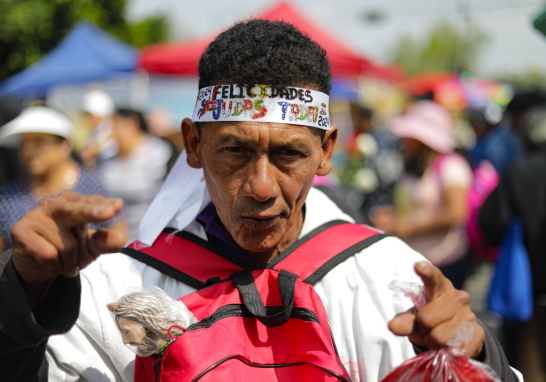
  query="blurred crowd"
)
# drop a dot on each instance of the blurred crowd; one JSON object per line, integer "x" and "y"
{"x": 408, "y": 177}
{"x": 125, "y": 154}
{"x": 455, "y": 204}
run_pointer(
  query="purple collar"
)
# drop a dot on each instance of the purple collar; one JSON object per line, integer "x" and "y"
{"x": 214, "y": 228}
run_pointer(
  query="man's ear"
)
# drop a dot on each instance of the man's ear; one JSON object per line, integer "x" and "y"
{"x": 328, "y": 144}
{"x": 190, "y": 133}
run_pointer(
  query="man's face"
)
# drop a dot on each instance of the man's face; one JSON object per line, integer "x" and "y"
{"x": 258, "y": 175}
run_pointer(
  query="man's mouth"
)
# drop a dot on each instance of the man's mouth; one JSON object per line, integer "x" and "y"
{"x": 260, "y": 223}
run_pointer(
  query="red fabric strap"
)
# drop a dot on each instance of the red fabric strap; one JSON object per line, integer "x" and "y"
{"x": 202, "y": 264}
{"x": 188, "y": 257}
{"x": 316, "y": 252}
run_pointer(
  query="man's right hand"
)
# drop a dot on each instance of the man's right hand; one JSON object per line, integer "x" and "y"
{"x": 54, "y": 239}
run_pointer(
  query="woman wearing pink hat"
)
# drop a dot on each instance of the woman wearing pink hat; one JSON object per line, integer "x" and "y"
{"x": 431, "y": 200}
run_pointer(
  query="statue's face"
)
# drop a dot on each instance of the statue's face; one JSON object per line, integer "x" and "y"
{"x": 132, "y": 332}
{"x": 134, "y": 335}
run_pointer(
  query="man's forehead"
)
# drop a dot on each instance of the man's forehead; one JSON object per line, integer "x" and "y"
{"x": 252, "y": 130}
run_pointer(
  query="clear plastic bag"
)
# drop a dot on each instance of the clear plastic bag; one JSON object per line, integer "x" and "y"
{"x": 149, "y": 320}
{"x": 450, "y": 364}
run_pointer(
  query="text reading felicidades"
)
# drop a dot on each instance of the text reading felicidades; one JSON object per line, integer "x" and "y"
{"x": 262, "y": 102}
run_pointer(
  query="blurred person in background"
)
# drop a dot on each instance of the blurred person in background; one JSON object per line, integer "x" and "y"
{"x": 501, "y": 143}
{"x": 10, "y": 164}
{"x": 379, "y": 154}
{"x": 522, "y": 193}
{"x": 496, "y": 142}
{"x": 98, "y": 109}
{"x": 412, "y": 99}
{"x": 161, "y": 123}
{"x": 45, "y": 152}
{"x": 137, "y": 172}
{"x": 517, "y": 109}
{"x": 430, "y": 202}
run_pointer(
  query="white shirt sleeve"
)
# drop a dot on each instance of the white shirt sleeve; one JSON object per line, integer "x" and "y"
{"x": 360, "y": 306}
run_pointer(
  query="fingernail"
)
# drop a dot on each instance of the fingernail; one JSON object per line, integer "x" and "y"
{"x": 422, "y": 265}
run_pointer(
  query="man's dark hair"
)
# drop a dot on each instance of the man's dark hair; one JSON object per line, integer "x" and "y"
{"x": 265, "y": 52}
{"x": 136, "y": 115}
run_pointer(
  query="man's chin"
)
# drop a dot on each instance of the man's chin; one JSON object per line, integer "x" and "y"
{"x": 259, "y": 240}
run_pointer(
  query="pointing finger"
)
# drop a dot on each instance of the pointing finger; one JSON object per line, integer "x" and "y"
{"x": 102, "y": 241}
{"x": 76, "y": 213}
{"x": 71, "y": 196}
{"x": 435, "y": 283}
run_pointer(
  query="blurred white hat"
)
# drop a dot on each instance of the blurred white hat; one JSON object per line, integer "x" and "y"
{"x": 39, "y": 119}
{"x": 98, "y": 103}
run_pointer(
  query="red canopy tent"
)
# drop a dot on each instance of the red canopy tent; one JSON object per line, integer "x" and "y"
{"x": 182, "y": 58}
{"x": 425, "y": 82}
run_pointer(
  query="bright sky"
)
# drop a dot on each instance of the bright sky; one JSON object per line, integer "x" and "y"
{"x": 514, "y": 45}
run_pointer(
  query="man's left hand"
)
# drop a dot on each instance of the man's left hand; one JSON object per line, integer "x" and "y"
{"x": 436, "y": 324}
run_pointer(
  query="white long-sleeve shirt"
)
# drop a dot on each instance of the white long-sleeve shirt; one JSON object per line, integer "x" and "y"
{"x": 358, "y": 304}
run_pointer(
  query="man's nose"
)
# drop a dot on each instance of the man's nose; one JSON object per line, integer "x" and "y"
{"x": 262, "y": 183}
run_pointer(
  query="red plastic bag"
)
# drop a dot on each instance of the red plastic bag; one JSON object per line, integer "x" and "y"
{"x": 450, "y": 364}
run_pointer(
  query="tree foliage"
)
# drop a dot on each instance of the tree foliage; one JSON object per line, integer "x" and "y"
{"x": 29, "y": 29}
{"x": 445, "y": 48}
{"x": 527, "y": 80}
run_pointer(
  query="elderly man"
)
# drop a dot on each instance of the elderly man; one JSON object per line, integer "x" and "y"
{"x": 258, "y": 162}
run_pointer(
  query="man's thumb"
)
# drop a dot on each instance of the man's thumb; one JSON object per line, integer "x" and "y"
{"x": 102, "y": 241}
{"x": 402, "y": 324}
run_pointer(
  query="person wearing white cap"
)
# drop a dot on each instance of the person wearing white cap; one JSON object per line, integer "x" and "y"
{"x": 45, "y": 151}
{"x": 98, "y": 109}
{"x": 431, "y": 199}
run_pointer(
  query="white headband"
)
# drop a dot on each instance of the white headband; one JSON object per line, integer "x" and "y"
{"x": 262, "y": 103}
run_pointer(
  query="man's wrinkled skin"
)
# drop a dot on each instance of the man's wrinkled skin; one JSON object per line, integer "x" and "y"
{"x": 258, "y": 176}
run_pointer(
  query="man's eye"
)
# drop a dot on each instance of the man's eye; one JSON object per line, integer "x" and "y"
{"x": 127, "y": 332}
{"x": 237, "y": 150}
{"x": 289, "y": 153}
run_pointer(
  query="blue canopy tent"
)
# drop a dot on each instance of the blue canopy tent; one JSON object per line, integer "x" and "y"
{"x": 86, "y": 54}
